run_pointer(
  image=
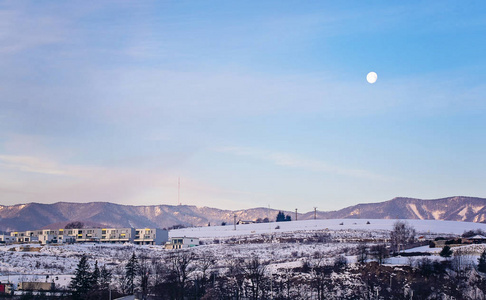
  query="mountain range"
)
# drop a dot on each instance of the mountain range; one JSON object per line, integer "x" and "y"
{"x": 33, "y": 216}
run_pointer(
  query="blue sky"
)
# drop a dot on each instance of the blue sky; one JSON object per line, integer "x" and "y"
{"x": 253, "y": 103}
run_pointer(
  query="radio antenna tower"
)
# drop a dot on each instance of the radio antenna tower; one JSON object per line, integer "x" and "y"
{"x": 179, "y": 191}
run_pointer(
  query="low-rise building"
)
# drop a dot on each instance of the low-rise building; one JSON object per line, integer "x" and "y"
{"x": 49, "y": 236}
{"x": 80, "y": 235}
{"x": 118, "y": 235}
{"x": 478, "y": 239}
{"x": 182, "y": 242}
{"x": 151, "y": 236}
{"x": 89, "y": 235}
{"x": 245, "y": 222}
{"x": 145, "y": 236}
{"x": 6, "y": 239}
{"x": 19, "y": 236}
{"x": 47, "y": 239}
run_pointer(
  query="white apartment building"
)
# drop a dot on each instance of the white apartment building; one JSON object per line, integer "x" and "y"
{"x": 151, "y": 236}
{"x": 117, "y": 235}
{"x": 145, "y": 236}
{"x": 6, "y": 239}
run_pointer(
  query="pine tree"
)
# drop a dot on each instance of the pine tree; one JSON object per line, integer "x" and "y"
{"x": 446, "y": 251}
{"x": 95, "y": 277}
{"x": 80, "y": 284}
{"x": 482, "y": 262}
{"x": 130, "y": 274}
{"x": 105, "y": 278}
{"x": 280, "y": 216}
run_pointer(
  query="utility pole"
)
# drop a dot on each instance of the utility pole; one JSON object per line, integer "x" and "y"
{"x": 296, "y": 214}
{"x": 234, "y": 222}
{"x": 315, "y": 213}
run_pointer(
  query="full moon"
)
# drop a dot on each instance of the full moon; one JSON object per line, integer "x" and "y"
{"x": 371, "y": 77}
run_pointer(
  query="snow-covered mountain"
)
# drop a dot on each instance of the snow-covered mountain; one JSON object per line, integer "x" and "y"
{"x": 469, "y": 209}
{"x": 36, "y": 215}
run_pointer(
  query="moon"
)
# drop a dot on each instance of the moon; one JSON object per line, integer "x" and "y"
{"x": 371, "y": 77}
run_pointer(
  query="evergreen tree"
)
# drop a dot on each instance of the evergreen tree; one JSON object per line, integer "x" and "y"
{"x": 104, "y": 282}
{"x": 105, "y": 278}
{"x": 446, "y": 251}
{"x": 288, "y": 218}
{"x": 482, "y": 262}
{"x": 80, "y": 284}
{"x": 95, "y": 277}
{"x": 130, "y": 274}
{"x": 280, "y": 216}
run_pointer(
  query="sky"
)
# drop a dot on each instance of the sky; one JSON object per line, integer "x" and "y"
{"x": 249, "y": 103}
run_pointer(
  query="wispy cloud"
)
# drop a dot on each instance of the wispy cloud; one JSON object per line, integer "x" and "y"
{"x": 31, "y": 165}
{"x": 298, "y": 162}
{"x": 20, "y": 31}
{"x": 27, "y": 178}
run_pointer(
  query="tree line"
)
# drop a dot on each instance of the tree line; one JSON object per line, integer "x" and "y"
{"x": 187, "y": 275}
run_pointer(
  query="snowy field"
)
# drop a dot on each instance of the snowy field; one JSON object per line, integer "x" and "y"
{"x": 421, "y": 226}
{"x": 286, "y": 247}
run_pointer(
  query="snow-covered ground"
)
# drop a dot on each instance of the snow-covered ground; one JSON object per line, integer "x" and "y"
{"x": 286, "y": 247}
{"x": 421, "y": 226}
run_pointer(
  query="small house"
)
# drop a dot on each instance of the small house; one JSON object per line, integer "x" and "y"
{"x": 478, "y": 239}
{"x": 182, "y": 242}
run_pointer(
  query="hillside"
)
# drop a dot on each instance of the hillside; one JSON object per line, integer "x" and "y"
{"x": 36, "y": 215}
{"x": 469, "y": 209}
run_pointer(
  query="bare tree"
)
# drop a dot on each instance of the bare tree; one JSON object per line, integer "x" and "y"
{"x": 401, "y": 235}
{"x": 462, "y": 261}
{"x": 165, "y": 284}
{"x": 482, "y": 262}
{"x": 254, "y": 270}
{"x": 144, "y": 272}
{"x": 181, "y": 267}
{"x": 236, "y": 276}
{"x": 362, "y": 253}
{"x": 379, "y": 252}
{"x": 319, "y": 274}
{"x": 204, "y": 263}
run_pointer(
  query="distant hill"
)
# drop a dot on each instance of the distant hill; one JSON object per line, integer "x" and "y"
{"x": 469, "y": 209}
{"x": 36, "y": 215}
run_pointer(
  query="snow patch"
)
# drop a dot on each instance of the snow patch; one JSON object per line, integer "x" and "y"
{"x": 477, "y": 208}
{"x": 479, "y": 218}
{"x": 463, "y": 212}
{"x": 413, "y": 207}
{"x": 437, "y": 214}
